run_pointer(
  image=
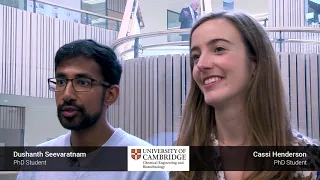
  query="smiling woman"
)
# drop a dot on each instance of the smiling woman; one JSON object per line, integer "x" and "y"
{"x": 236, "y": 97}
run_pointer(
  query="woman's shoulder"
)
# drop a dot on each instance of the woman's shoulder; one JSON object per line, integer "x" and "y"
{"x": 301, "y": 140}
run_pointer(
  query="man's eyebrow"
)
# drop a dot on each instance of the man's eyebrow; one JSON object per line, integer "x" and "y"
{"x": 81, "y": 75}
{"x": 60, "y": 75}
{"x": 84, "y": 75}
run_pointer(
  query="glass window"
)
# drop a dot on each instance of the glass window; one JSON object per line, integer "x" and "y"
{"x": 53, "y": 11}
{"x": 95, "y": 6}
{"x": 173, "y": 23}
{"x": 313, "y": 12}
{"x": 228, "y": 5}
{"x": 19, "y": 4}
{"x": 173, "y": 19}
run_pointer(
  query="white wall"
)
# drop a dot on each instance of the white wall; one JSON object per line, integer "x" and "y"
{"x": 41, "y": 122}
{"x": 155, "y": 13}
{"x": 252, "y": 7}
{"x": 155, "y": 17}
{"x": 217, "y": 4}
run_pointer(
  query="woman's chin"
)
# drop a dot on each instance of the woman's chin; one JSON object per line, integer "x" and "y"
{"x": 213, "y": 101}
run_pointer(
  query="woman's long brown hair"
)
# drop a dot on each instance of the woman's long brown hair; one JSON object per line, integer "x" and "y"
{"x": 268, "y": 120}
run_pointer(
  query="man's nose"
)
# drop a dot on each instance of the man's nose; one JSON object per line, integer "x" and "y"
{"x": 69, "y": 93}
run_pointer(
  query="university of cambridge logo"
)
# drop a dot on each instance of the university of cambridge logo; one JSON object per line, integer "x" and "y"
{"x": 136, "y": 154}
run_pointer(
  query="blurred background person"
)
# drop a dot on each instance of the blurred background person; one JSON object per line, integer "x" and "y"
{"x": 187, "y": 17}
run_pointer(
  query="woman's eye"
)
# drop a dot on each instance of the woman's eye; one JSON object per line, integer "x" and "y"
{"x": 219, "y": 49}
{"x": 195, "y": 57}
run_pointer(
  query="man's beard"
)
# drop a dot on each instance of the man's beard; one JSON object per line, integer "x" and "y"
{"x": 84, "y": 119}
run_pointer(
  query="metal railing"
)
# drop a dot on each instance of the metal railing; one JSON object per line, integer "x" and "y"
{"x": 88, "y": 18}
{"x": 80, "y": 16}
{"x": 281, "y": 35}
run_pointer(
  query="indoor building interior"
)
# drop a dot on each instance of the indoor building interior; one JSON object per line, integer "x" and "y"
{"x": 148, "y": 40}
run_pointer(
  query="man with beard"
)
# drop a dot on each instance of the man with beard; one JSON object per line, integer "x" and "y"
{"x": 87, "y": 75}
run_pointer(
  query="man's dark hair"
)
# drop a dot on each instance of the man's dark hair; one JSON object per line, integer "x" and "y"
{"x": 103, "y": 55}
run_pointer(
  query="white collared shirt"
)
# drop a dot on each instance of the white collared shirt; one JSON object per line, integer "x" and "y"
{"x": 192, "y": 15}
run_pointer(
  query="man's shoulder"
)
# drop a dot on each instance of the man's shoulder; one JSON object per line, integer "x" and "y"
{"x": 58, "y": 141}
{"x": 131, "y": 140}
{"x": 136, "y": 175}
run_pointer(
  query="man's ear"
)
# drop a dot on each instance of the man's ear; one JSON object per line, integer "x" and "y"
{"x": 111, "y": 96}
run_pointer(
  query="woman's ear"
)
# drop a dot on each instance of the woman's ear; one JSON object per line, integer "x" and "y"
{"x": 253, "y": 68}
